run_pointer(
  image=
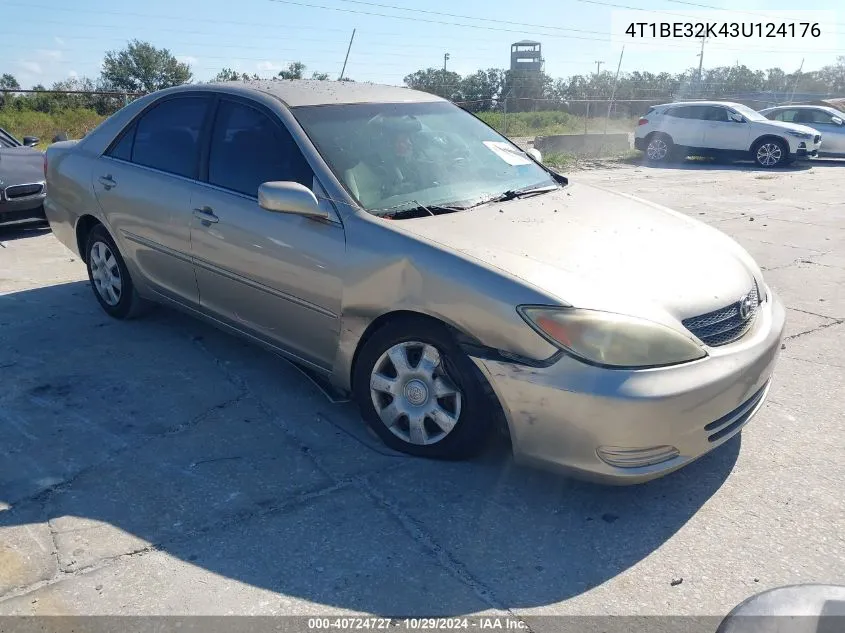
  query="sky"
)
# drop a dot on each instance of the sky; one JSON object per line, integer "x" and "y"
{"x": 42, "y": 41}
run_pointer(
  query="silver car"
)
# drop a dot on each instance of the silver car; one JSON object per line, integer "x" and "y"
{"x": 398, "y": 246}
{"x": 830, "y": 122}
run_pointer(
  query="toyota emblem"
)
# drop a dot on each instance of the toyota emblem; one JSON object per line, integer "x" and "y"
{"x": 746, "y": 307}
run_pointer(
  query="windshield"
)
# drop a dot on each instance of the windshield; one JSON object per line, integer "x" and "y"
{"x": 748, "y": 113}
{"x": 391, "y": 155}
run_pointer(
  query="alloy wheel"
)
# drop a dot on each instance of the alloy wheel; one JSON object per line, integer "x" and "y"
{"x": 105, "y": 273}
{"x": 657, "y": 149}
{"x": 413, "y": 393}
{"x": 769, "y": 154}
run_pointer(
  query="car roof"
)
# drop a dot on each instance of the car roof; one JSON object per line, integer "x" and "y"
{"x": 312, "y": 92}
{"x": 803, "y": 107}
{"x": 729, "y": 104}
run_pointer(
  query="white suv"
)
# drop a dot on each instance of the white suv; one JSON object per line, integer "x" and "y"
{"x": 719, "y": 128}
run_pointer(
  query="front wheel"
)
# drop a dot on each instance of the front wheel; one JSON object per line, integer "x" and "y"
{"x": 420, "y": 393}
{"x": 771, "y": 153}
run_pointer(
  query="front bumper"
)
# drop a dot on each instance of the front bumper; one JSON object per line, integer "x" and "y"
{"x": 23, "y": 210}
{"x": 805, "y": 148}
{"x": 560, "y": 416}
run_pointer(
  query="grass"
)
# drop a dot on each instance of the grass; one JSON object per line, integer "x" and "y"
{"x": 76, "y": 122}
{"x": 548, "y": 123}
{"x": 572, "y": 162}
{"x": 73, "y": 122}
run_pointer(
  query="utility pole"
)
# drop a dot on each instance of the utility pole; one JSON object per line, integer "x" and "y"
{"x": 700, "y": 64}
{"x": 445, "y": 59}
{"x": 613, "y": 92}
{"x": 795, "y": 83}
{"x": 598, "y": 67}
{"x": 349, "y": 48}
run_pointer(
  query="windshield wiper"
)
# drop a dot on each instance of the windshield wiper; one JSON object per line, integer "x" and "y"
{"x": 403, "y": 211}
{"x": 512, "y": 194}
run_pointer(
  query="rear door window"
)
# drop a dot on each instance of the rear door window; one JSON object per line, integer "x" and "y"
{"x": 786, "y": 115}
{"x": 689, "y": 112}
{"x": 167, "y": 137}
{"x": 715, "y": 113}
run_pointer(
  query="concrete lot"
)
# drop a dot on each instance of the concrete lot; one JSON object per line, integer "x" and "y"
{"x": 161, "y": 467}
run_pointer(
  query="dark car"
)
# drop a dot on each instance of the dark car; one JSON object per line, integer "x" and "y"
{"x": 22, "y": 189}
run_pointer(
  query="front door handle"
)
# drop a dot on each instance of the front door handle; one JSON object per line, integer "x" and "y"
{"x": 206, "y": 214}
{"x": 107, "y": 181}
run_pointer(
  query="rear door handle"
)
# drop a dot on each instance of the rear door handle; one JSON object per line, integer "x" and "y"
{"x": 206, "y": 214}
{"x": 107, "y": 181}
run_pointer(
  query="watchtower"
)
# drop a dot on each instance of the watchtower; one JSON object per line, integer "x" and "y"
{"x": 527, "y": 56}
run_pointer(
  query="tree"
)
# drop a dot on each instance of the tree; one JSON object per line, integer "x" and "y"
{"x": 227, "y": 74}
{"x": 319, "y": 76}
{"x": 443, "y": 83}
{"x": 141, "y": 67}
{"x": 833, "y": 76}
{"x": 9, "y": 82}
{"x": 479, "y": 91}
{"x": 294, "y": 71}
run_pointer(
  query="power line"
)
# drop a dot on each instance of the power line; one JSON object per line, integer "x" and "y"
{"x": 471, "y": 17}
{"x": 602, "y": 3}
{"x": 732, "y": 10}
{"x": 627, "y": 41}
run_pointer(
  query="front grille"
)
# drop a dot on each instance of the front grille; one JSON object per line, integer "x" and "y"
{"x": 817, "y": 138}
{"x": 727, "y": 324}
{"x": 23, "y": 191}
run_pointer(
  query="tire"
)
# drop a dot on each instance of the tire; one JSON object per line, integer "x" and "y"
{"x": 660, "y": 149}
{"x": 770, "y": 153}
{"x": 391, "y": 396}
{"x": 110, "y": 279}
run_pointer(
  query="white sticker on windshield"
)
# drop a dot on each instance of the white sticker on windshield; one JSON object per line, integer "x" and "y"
{"x": 508, "y": 153}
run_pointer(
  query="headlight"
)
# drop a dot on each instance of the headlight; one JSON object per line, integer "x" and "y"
{"x": 804, "y": 135}
{"x": 611, "y": 339}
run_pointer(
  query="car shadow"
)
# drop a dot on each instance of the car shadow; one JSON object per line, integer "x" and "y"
{"x": 23, "y": 231}
{"x": 711, "y": 164}
{"x": 164, "y": 433}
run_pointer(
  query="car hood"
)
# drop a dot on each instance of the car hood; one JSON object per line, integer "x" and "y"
{"x": 588, "y": 247}
{"x": 796, "y": 127}
{"x": 20, "y": 166}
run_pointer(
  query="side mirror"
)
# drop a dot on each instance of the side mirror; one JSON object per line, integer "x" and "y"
{"x": 535, "y": 154}
{"x": 30, "y": 141}
{"x": 837, "y": 120}
{"x": 290, "y": 197}
{"x": 737, "y": 118}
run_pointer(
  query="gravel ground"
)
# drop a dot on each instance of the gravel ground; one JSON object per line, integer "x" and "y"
{"x": 161, "y": 467}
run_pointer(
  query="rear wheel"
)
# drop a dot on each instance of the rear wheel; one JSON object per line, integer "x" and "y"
{"x": 771, "y": 153}
{"x": 109, "y": 276}
{"x": 659, "y": 148}
{"x": 420, "y": 393}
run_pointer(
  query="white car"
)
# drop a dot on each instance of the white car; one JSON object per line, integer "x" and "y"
{"x": 722, "y": 129}
{"x": 829, "y": 121}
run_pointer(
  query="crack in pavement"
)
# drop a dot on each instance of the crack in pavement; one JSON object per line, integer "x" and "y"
{"x": 800, "y": 260}
{"x": 43, "y": 495}
{"x": 818, "y": 328}
{"x": 260, "y": 511}
{"x": 415, "y": 531}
